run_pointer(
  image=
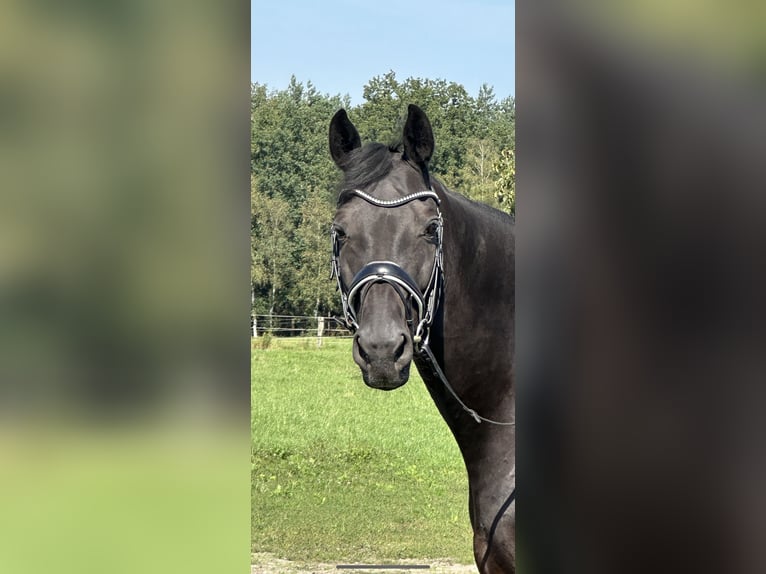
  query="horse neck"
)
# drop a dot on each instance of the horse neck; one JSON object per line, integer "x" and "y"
{"x": 476, "y": 326}
{"x": 474, "y": 240}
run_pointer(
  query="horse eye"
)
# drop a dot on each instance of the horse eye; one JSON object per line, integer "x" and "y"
{"x": 432, "y": 229}
{"x": 340, "y": 233}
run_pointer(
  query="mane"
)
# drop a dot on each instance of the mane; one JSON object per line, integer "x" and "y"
{"x": 367, "y": 164}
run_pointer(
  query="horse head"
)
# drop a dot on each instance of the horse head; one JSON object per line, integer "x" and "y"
{"x": 386, "y": 245}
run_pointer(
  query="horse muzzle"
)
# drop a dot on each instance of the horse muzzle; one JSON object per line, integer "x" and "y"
{"x": 383, "y": 344}
{"x": 385, "y": 372}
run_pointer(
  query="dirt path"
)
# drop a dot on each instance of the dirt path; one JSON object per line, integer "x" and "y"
{"x": 267, "y": 563}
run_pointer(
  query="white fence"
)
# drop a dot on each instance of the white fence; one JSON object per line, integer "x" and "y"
{"x": 297, "y": 326}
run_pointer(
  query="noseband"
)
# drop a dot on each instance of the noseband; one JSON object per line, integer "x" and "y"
{"x": 425, "y": 303}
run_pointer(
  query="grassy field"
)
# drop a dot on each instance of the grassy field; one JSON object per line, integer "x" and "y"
{"x": 344, "y": 473}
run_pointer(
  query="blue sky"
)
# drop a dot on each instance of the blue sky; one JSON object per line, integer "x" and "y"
{"x": 340, "y": 44}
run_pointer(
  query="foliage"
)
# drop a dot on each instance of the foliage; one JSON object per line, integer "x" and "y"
{"x": 265, "y": 340}
{"x": 478, "y": 173}
{"x": 271, "y": 231}
{"x": 312, "y": 288}
{"x": 294, "y": 178}
{"x": 505, "y": 180}
{"x": 288, "y": 141}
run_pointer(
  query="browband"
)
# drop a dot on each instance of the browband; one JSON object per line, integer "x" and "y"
{"x": 396, "y": 202}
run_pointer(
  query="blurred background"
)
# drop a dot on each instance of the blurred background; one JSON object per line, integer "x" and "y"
{"x": 640, "y": 142}
{"x": 124, "y": 295}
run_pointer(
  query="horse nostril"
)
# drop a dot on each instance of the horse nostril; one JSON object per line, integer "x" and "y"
{"x": 362, "y": 352}
{"x": 400, "y": 349}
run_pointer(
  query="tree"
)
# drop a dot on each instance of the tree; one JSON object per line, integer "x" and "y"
{"x": 478, "y": 171}
{"x": 377, "y": 119}
{"x": 293, "y": 177}
{"x": 502, "y": 129}
{"x": 449, "y": 107}
{"x": 505, "y": 181}
{"x": 313, "y": 288}
{"x": 270, "y": 246}
{"x": 289, "y": 141}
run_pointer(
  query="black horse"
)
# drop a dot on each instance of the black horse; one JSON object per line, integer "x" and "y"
{"x": 428, "y": 275}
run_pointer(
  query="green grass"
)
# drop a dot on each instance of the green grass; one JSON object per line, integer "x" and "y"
{"x": 342, "y": 472}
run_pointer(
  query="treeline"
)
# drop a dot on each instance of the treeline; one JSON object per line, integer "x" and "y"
{"x": 293, "y": 179}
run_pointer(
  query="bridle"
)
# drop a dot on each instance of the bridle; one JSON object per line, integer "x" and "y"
{"x": 425, "y": 302}
{"x": 389, "y": 272}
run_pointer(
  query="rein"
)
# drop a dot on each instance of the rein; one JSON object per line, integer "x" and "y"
{"x": 400, "y": 280}
{"x": 425, "y": 351}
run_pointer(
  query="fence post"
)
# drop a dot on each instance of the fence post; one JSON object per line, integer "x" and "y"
{"x": 253, "y": 318}
{"x": 320, "y": 330}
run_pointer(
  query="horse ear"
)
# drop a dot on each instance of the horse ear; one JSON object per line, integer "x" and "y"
{"x": 418, "y": 136}
{"x": 343, "y": 137}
